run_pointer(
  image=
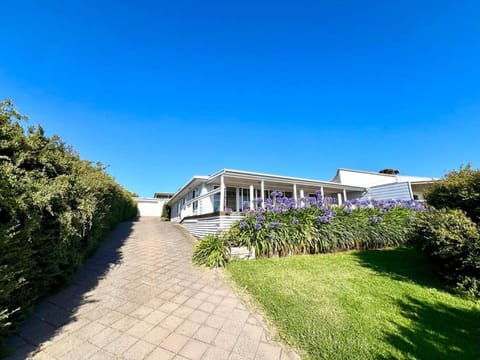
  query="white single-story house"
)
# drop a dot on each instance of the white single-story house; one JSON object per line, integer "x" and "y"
{"x": 152, "y": 206}
{"x": 207, "y": 204}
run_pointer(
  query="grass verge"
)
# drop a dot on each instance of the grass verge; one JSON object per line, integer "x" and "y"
{"x": 363, "y": 305}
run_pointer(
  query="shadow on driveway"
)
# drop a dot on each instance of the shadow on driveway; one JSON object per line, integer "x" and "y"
{"x": 57, "y": 311}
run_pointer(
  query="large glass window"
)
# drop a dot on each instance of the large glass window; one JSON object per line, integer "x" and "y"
{"x": 244, "y": 197}
{"x": 216, "y": 200}
{"x": 232, "y": 198}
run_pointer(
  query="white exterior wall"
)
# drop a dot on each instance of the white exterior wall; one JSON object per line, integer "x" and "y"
{"x": 364, "y": 179}
{"x": 210, "y": 225}
{"x": 150, "y": 207}
{"x": 206, "y": 204}
{"x": 396, "y": 191}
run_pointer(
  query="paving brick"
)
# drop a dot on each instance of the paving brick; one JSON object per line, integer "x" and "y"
{"x": 207, "y": 307}
{"x": 140, "y": 350}
{"x": 187, "y": 328}
{"x": 124, "y": 323}
{"x": 156, "y": 335}
{"x": 198, "y": 316}
{"x": 139, "y": 329}
{"x": 64, "y": 346}
{"x": 206, "y": 334}
{"x": 161, "y": 354}
{"x": 225, "y": 340}
{"x": 183, "y": 311}
{"x": 215, "y": 321}
{"x": 90, "y": 330}
{"x": 105, "y": 337}
{"x": 171, "y": 322}
{"x": 155, "y": 317}
{"x": 268, "y": 352}
{"x": 215, "y": 353}
{"x": 120, "y": 344}
{"x": 141, "y": 312}
{"x": 174, "y": 342}
{"x": 194, "y": 349}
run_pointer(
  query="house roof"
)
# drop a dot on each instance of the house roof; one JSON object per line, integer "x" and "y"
{"x": 194, "y": 180}
{"x": 163, "y": 194}
{"x": 249, "y": 175}
{"x": 401, "y": 178}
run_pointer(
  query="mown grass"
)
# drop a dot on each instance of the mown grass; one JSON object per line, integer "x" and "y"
{"x": 381, "y": 304}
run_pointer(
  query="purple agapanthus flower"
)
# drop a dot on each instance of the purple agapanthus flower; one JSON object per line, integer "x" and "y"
{"x": 296, "y": 222}
{"x": 257, "y": 226}
{"x": 243, "y": 224}
{"x": 376, "y": 219}
{"x": 274, "y": 224}
{"x": 324, "y": 219}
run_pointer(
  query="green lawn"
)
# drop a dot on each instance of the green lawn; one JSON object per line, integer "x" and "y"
{"x": 382, "y": 304}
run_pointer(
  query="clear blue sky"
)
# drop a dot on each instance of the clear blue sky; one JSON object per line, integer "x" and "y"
{"x": 163, "y": 90}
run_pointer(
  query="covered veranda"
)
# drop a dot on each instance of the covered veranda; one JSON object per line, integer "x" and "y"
{"x": 235, "y": 190}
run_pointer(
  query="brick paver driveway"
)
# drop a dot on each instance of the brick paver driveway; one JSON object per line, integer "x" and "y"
{"x": 140, "y": 297}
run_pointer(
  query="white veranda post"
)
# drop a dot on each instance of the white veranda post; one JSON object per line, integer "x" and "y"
{"x": 262, "y": 195}
{"x": 251, "y": 196}
{"x": 222, "y": 193}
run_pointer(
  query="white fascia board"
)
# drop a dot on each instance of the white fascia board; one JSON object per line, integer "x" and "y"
{"x": 282, "y": 179}
{"x": 189, "y": 183}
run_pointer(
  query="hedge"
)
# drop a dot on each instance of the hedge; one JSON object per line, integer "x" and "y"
{"x": 452, "y": 241}
{"x": 55, "y": 209}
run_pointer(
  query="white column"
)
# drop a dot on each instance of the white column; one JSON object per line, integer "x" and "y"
{"x": 344, "y": 195}
{"x": 339, "y": 196}
{"x": 222, "y": 193}
{"x": 262, "y": 189}
{"x": 302, "y": 195}
{"x": 237, "y": 197}
{"x": 295, "y": 194}
{"x": 321, "y": 192}
{"x": 251, "y": 197}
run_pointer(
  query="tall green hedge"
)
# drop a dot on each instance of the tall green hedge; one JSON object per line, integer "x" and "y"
{"x": 54, "y": 210}
{"x": 459, "y": 189}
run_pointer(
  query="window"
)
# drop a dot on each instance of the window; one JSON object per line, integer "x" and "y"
{"x": 231, "y": 198}
{"x": 244, "y": 197}
{"x": 216, "y": 200}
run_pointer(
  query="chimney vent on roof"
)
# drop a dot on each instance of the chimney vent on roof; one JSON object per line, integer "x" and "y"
{"x": 389, "y": 171}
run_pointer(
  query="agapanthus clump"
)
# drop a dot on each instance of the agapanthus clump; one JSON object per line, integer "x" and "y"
{"x": 281, "y": 225}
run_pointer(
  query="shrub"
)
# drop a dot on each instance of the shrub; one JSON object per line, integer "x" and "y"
{"x": 452, "y": 240}
{"x": 54, "y": 211}
{"x": 458, "y": 190}
{"x": 211, "y": 251}
{"x": 165, "y": 212}
{"x": 283, "y": 228}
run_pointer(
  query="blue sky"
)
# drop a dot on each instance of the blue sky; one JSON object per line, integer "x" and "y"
{"x": 163, "y": 90}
